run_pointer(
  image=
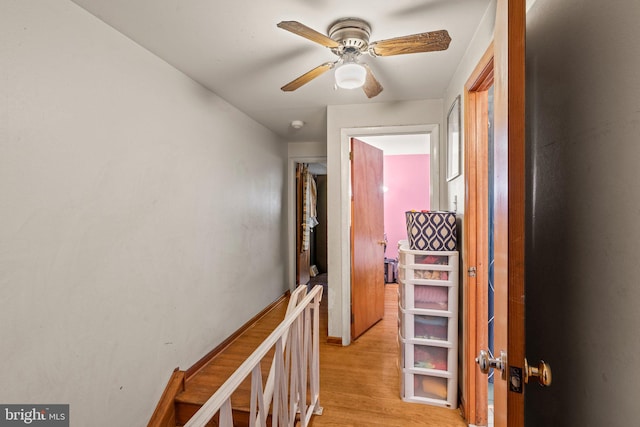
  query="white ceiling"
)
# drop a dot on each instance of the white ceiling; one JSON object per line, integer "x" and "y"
{"x": 234, "y": 48}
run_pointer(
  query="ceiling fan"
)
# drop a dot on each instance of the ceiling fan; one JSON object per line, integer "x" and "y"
{"x": 348, "y": 38}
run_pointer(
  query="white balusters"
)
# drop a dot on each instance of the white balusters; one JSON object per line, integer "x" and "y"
{"x": 294, "y": 370}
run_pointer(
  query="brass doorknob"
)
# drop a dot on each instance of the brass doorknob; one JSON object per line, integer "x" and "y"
{"x": 542, "y": 372}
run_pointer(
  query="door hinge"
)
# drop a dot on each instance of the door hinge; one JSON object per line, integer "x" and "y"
{"x": 352, "y": 318}
{"x": 472, "y": 272}
{"x": 350, "y": 155}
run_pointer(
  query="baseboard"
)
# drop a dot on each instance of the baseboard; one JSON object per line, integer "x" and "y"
{"x": 164, "y": 415}
{"x": 334, "y": 340}
{"x": 224, "y": 344}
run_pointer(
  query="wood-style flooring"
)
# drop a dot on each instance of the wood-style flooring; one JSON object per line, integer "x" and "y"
{"x": 360, "y": 383}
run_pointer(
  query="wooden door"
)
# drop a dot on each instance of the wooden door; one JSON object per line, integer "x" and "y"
{"x": 509, "y": 221}
{"x": 302, "y": 255}
{"x": 367, "y": 237}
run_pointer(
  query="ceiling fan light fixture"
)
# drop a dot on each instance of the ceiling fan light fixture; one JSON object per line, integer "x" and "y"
{"x": 348, "y": 38}
{"x": 350, "y": 75}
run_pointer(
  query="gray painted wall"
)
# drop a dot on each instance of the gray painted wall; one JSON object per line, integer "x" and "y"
{"x": 142, "y": 217}
{"x": 583, "y": 244}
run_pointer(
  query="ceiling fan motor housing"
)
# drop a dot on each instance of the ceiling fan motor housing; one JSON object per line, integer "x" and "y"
{"x": 352, "y": 33}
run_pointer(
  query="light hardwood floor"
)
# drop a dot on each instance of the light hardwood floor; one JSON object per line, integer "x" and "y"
{"x": 360, "y": 383}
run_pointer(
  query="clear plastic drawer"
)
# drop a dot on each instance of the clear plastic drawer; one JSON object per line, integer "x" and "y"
{"x": 430, "y": 387}
{"x": 428, "y": 357}
{"x": 424, "y": 297}
{"x": 410, "y": 273}
{"x": 424, "y": 326}
{"x": 408, "y": 257}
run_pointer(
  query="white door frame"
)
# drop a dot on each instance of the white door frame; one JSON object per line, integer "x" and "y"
{"x": 345, "y": 244}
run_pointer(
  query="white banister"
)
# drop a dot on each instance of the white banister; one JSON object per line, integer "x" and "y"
{"x": 294, "y": 371}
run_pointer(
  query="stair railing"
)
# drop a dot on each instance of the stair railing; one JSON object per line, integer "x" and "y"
{"x": 295, "y": 371}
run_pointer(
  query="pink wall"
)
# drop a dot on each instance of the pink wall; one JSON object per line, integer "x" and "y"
{"x": 407, "y": 180}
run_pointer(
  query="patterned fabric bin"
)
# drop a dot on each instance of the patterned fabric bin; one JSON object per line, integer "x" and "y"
{"x": 432, "y": 231}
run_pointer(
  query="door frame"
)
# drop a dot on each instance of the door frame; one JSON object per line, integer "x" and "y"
{"x": 510, "y": 210}
{"x": 509, "y": 218}
{"x": 345, "y": 235}
{"x": 475, "y": 238}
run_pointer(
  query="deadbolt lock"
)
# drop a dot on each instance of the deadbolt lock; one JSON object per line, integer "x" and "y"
{"x": 542, "y": 372}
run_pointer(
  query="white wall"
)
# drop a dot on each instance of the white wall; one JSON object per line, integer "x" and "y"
{"x": 142, "y": 217}
{"x": 583, "y": 241}
{"x": 343, "y": 120}
{"x": 307, "y": 149}
{"x": 455, "y": 189}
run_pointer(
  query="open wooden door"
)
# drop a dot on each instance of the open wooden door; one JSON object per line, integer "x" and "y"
{"x": 367, "y": 237}
{"x": 509, "y": 222}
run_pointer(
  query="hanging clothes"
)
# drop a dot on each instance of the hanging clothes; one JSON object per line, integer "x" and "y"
{"x": 309, "y": 200}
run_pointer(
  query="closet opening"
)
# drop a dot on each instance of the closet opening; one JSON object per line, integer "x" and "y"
{"x": 311, "y": 224}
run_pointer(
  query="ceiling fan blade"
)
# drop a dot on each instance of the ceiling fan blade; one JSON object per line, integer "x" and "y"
{"x": 372, "y": 86}
{"x": 308, "y": 76}
{"x": 308, "y": 33}
{"x": 416, "y": 43}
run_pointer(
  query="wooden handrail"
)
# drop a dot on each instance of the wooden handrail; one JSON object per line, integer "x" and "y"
{"x": 289, "y": 377}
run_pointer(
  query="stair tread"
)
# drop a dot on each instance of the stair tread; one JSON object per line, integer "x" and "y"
{"x": 204, "y": 383}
